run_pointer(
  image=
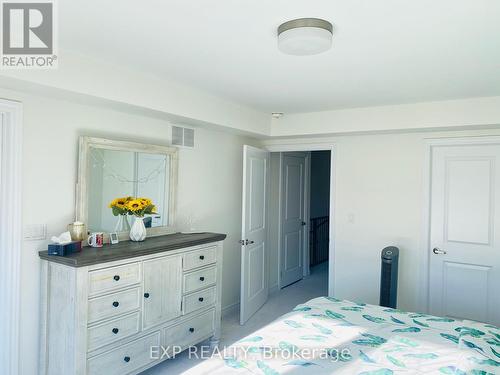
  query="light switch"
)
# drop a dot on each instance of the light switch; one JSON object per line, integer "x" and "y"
{"x": 350, "y": 218}
{"x": 35, "y": 232}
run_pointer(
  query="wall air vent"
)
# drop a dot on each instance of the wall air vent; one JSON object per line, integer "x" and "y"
{"x": 182, "y": 137}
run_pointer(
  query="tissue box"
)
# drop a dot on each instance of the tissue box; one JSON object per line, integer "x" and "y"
{"x": 65, "y": 249}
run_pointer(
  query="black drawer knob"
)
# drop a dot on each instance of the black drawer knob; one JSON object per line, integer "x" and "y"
{"x": 191, "y": 330}
{"x": 116, "y": 304}
{"x": 146, "y": 295}
{"x": 202, "y": 278}
{"x": 115, "y": 330}
{"x": 126, "y": 359}
{"x": 200, "y": 299}
{"x": 202, "y": 257}
{"x": 116, "y": 277}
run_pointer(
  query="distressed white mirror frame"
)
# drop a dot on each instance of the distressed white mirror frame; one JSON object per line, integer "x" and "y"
{"x": 83, "y": 170}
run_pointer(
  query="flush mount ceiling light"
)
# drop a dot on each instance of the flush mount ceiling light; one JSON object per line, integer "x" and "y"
{"x": 305, "y": 36}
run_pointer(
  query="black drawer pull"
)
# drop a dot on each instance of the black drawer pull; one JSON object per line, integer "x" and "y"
{"x": 114, "y": 330}
{"x": 202, "y": 278}
{"x": 191, "y": 330}
{"x": 202, "y": 257}
{"x": 146, "y": 295}
{"x": 126, "y": 359}
{"x": 116, "y": 277}
{"x": 200, "y": 299}
{"x": 116, "y": 304}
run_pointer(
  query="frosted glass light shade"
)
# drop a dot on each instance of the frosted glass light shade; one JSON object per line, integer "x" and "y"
{"x": 306, "y": 36}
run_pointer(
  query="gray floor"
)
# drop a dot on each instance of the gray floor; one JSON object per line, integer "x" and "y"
{"x": 278, "y": 304}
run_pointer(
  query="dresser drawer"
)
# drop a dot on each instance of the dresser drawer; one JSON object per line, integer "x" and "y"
{"x": 126, "y": 358}
{"x": 114, "y": 277}
{"x": 113, "y": 304}
{"x": 198, "y": 300}
{"x": 117, "y": 329}
{"x": 199, "y": 279}
{"x": 191, "y": 331}
{"x": 199, "y": 258}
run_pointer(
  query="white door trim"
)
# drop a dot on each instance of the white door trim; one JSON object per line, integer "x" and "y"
{"x": 429, "y": 145}
{"x": 10, "y": 233}
{"x": 328, "y": 146}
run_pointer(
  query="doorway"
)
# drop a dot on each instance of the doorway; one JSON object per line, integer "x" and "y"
{"x": 268, "y": 176}
{"x": 319, "y": 198}
{"x": 302, "y": 214}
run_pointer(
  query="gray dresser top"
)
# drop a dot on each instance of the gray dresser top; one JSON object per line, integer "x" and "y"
{"x": 128, "y": 249}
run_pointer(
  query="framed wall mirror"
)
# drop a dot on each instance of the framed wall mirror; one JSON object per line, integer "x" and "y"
{"x": 110, "y": 170}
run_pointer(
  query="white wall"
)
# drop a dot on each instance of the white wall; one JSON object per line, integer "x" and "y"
{"x": 210, "y": 178}
{"x": 92, "y": 80}
{"x": 378, "y": 202}
{"x": 473, "y": 112}
{"x": 79, "y": 74}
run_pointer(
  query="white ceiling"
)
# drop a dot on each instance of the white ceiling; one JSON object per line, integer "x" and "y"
{"x": 384, "y": 51}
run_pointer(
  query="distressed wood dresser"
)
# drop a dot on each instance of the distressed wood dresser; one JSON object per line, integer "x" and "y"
{"x": 109, "y": 310}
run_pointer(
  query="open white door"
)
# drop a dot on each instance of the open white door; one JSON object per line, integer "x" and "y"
{"x": 293, "y": 218}
{"x": 465, "y": 232}
{"x": 254, "y": 284}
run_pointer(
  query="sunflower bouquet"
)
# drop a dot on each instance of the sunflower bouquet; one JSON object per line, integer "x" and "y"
{"x": 132, "y": 206}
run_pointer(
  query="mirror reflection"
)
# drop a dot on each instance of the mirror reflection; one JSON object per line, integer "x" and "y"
{"x": 117, "y": 178}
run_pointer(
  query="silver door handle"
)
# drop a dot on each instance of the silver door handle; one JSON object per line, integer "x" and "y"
{"x": 438, "y": 251}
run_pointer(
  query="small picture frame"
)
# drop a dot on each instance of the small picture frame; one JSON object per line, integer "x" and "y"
{"x": 113, "y": 238}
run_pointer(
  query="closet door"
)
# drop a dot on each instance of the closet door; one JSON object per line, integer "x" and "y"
{"x": 464, "y": 246}
{"x": 162, "y": 290}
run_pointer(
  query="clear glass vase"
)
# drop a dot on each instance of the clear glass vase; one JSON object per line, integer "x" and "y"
{"x": 122, "y": 225}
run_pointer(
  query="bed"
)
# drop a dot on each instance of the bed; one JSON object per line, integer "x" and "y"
{"x": 328, "y": 335}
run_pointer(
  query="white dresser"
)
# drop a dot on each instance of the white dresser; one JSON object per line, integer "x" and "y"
{"x": 113, "y": 310}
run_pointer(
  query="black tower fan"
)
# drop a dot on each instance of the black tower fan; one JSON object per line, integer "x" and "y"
{"x": 389, "y": 277}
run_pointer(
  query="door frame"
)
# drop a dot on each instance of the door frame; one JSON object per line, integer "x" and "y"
{"x": 11, "y": 133}
{"x": 305, "y": 255}
{"x": 429, "y": 145}
{"x": 304, "y": 147}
